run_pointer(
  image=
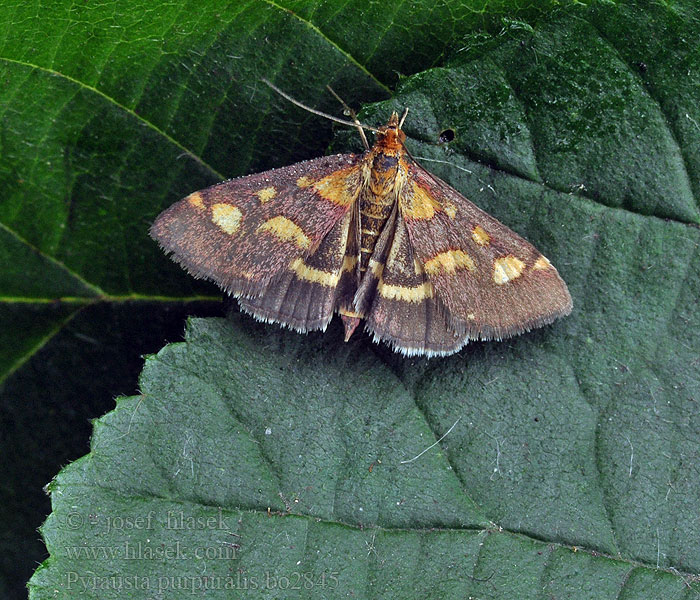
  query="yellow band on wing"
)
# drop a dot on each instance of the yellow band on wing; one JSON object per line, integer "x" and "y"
{"x": 286, "y": 230}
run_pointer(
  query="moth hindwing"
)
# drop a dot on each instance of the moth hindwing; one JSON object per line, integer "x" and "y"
{"x": 372, "y": 237}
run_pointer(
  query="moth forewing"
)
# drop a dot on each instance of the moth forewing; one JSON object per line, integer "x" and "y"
{"x": 245, "y": 232}
{"x": 493, "y": 283}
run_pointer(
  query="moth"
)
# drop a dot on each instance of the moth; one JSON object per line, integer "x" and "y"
{"x": 373, "y": 237}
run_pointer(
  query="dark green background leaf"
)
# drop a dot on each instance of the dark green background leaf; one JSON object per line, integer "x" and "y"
{"x": 580, "y": 133}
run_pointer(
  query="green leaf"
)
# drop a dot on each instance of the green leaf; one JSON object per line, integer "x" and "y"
{"x": 580, "y": 133}
{"x": 258, "y": 460}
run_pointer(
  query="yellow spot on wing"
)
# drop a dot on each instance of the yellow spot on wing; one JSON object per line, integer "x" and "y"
{"x": 541, "y": 264}
{"x": 480, "y": 236}
{"x": 307, "y": 273}
{"x": 286, "y": 230}
{"x": 304, "y": 181}
{"x": 405, "y": 294}
{"x": 227, "y": 217}
{"x": 506, "y": 269}
{"x": 449, "y": 262}
{"x": 336, "y": 187}
{"x": 450, "y": 209}
{"x": 266, "y": 194}
{"x": 376, "y": 267}
{"x": 417, "y": 267}
{"x": 196, "y": 200}
{"x": 349, "y": 263}
{"x": 418, "y": 205}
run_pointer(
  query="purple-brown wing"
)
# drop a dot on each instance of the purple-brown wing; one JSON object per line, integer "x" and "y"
{"x": 492, "y": 283}
{"x": 305, "y": 296}
{"x": 403, "y": 309}
{"x": 245, "y": 233}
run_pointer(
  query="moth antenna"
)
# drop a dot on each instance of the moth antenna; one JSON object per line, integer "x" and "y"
{"x": 317, "y": 112}
{"x": 403, "y": 117}
{"x": 351, "y": 112}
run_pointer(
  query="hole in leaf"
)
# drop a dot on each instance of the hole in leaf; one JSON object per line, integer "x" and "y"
{"x": 446, "y": 136}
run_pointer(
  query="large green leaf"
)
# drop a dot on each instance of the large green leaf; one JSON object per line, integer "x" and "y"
{"x": 258, "y": 460}
{"x": 580, "y": 134}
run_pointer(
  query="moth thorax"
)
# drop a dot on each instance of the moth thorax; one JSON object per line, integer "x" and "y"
{"x": 376, "y": 203}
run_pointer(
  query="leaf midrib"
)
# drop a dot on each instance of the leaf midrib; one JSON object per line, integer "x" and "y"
{"x": 496, "y": 529}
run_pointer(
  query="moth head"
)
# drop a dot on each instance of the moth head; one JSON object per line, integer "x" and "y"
{"x": 391, "y": 135}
